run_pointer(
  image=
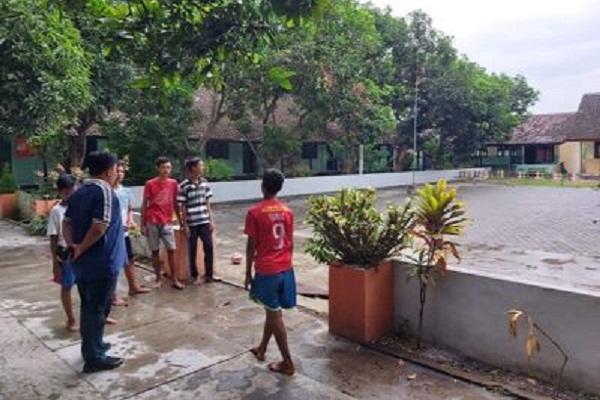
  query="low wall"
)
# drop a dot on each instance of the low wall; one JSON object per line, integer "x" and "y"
{"x": 466, "y": 313}
{"x": 250, "y": 190}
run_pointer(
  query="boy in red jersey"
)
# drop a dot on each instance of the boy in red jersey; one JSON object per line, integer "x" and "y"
{"x": 270, "y": 226}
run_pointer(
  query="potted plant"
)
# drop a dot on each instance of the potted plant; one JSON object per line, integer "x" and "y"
{"x": 357, "y": 241}
{"x": 8, "y": 194}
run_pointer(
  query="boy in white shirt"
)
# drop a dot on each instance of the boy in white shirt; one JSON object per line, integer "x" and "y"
{"x": 61, "y": 266}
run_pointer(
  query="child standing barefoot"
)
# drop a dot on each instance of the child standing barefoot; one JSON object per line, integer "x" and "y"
{"x": 61, "y": 267}
{"x": 270, "y": 227}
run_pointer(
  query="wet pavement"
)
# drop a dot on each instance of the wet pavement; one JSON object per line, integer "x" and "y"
{"x": 189, "y": 344}
{"x": 539, "y": 235}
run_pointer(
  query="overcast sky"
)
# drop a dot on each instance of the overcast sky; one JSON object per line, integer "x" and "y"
{"x": 554, "y": 44}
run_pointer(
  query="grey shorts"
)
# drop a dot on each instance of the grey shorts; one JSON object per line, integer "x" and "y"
{"x": 156, "y": 233}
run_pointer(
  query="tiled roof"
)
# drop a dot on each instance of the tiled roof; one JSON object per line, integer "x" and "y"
{"x": 586, "y": 123}
{"x": 286, "y": 116}
{"x": 542, "y": 129}
{"x": 206, "y": 102}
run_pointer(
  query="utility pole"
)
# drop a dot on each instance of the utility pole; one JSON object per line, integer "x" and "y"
{"x": 415, "y": 157}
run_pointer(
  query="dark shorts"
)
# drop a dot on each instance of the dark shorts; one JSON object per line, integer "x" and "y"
{"x": 66, "y": 278}
{"x": 129, "y": 249}
{"x": 274, "y": 292}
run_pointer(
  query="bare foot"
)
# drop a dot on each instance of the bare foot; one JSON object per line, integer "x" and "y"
{"x": 282, "y": 367}
{"x": 197, "y": 282}
{"x": 139, "y": 290}
{"x": 72, "y": 326}
{"x": 157, "y": 284}
{"x": 119, "y": 302}
{"x": 111, "y": 321}
{"x": 258, "y": 354}
{"x": 177, "y": 285}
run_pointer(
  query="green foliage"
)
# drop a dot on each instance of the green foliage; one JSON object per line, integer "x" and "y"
{"x": 217, "y": 170}
{"x": 159, "y": 124}
{"x": 8, "y": 184}
{"x": 348, "y": 228}
{"x": 377, "y": 159}
{"x": 37, "y": 226}
{"x": 437, "y": 215}
{"x": 279, "y": 146}
{"x": 44, "y": 70}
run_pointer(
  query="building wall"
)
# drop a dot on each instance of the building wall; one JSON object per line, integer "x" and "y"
{"x": 250, "y": 190}
{"x": 466, "y": 312}
{"x": 24, "y": 167}
{"x": 236, "y": 158}
{"x": 570, "y": 156}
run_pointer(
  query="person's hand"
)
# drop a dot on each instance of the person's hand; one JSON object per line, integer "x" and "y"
{"x": 76, "y": 252}
{"x": 144, "y": 230}
{"x": 248, "y": 281}
{"x": 212, "y": 226}
{"x": 187, "y": 231}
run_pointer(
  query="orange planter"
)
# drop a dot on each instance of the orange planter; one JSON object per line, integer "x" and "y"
{"x": 361, "y": 302}
{"x": 182, "y": 257}
{"x": 42, "y": 207}
{"x": 8, "y": 205}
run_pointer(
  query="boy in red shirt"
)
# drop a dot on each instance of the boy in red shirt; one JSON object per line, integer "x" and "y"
{"x": 270, "y": 226}
{"x": 158, "y": 206}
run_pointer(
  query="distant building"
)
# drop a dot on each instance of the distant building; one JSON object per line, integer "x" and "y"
{"x": 545, "y": 140}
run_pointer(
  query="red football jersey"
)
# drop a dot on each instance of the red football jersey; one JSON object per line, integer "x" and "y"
{"x": 271, "y": 224}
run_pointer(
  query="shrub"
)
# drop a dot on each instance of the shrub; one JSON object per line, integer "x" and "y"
{"x": 348, "y": 228}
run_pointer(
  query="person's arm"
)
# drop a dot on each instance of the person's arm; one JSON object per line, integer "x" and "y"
{"x": 176, "y": 201}
{"x": 250, "y": 230}
{"x": 210, "y": 214}
{"x": 209, "y": 207}
{"x": 67, "y": 232}
{"x": 102, "y": 208}
{"x": 130, "y": 221}
{"x": 95, "y": 233}
{"x": 250, "y": 252}
{"x": 145, "y": 195}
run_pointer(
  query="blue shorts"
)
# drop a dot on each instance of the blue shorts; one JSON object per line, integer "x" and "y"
{"x": 67, "y": 277}
{"x": 276, "y": 291}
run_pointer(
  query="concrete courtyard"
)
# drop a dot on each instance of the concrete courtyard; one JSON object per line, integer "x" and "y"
{"x": 538, "y": 233}
{"x": 194, "y": 344}
{"x": 185, "y": 345}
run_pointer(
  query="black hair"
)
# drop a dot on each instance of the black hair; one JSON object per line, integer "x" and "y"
{"x": 192, "y": 162}
{"x": 98, "y": 162}
{"x": 272, "y": 181}
{"x": 161, "y": 160}
{"x": 65, "y": 181}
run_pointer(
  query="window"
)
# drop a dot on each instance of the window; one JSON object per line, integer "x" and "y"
{"x": 309, "y": 151}
{"x": 250, "y": 164}
{"x": 217, "y": 149}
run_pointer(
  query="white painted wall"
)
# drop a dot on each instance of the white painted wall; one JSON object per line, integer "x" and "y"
{"x": 466, "y": 313}
{"x": 250, "y": 190}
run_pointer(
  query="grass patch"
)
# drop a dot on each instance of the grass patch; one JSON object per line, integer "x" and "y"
{"x": 544, "y": 182}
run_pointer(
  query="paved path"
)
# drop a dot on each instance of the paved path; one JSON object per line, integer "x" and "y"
{"x": 185, "y": 345}
{"x": 557, "y": 221}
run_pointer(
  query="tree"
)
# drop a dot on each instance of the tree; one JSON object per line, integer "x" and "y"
{"x": 44, "y": 69}
{"x": 153, "y": 122}
{"x": 334, "y": 60}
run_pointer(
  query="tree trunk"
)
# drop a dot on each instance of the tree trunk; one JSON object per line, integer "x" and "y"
{"x": 79, "y": 149}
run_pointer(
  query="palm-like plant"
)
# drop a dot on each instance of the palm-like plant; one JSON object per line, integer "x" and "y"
{"x": 437, "y": 215}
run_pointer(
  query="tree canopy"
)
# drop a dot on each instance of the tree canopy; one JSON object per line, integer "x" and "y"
{"x": 349, "y": 73}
